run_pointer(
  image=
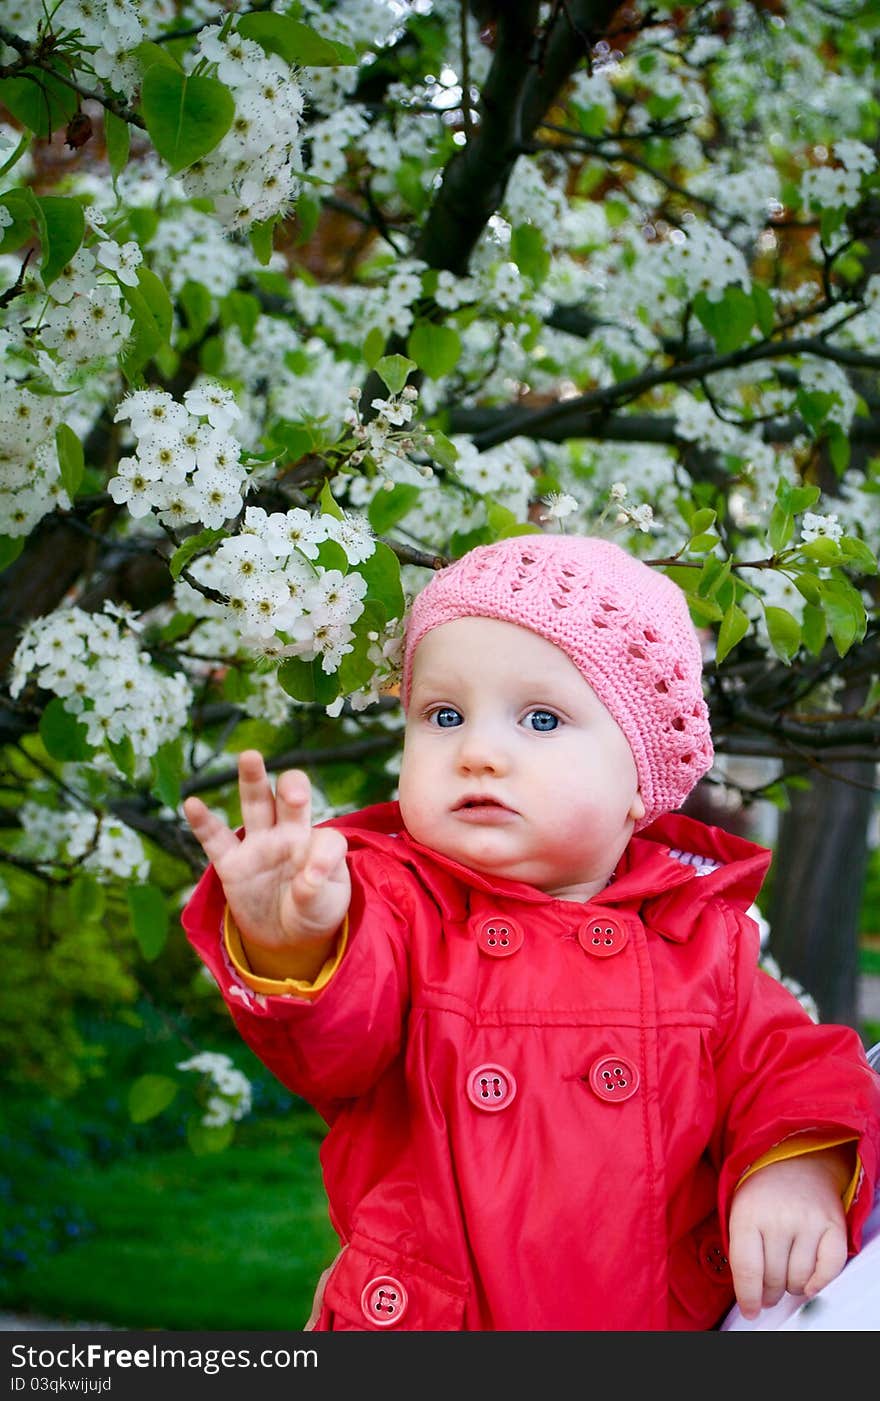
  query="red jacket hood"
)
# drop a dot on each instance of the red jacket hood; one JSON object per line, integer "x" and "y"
{"x": 667, "y": 888}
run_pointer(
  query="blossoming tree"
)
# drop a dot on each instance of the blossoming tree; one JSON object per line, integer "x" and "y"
{"x": 300, "y": 301}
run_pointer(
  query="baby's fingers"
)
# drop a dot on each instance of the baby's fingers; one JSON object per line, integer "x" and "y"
{"x": 746, "y": 1255}
{"x": 321, "y": 887}
{"x": 830, "y": 1259}
{"x": 209, "y": 830}
{"x": 293, "y": 799}
{"x": 325, "y": 857}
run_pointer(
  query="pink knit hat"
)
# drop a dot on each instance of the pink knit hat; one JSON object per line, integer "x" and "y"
{"x": 625, "y": 626}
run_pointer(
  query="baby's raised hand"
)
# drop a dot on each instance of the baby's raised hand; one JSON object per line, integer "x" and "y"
{"x": 788, "y": 1228}
{"x": 286, "y": 883}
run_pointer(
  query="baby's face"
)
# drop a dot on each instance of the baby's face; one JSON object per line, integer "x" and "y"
{"x": 511, "y": 763}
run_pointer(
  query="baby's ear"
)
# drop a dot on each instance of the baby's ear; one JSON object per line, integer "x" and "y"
{"x": 637, "y": 807}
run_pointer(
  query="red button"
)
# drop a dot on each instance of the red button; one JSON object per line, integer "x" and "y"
{"x": 491, "y": 1087}
{"x": 603, "y": 935}
{"x": 713, "y": 1259}
{"x": 498, "y": 937}
{"x": 384, "y": 1301}
{"x": 613, "y": 1078}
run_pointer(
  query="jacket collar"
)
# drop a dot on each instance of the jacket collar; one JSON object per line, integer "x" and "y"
{"x": 670, "y": 894}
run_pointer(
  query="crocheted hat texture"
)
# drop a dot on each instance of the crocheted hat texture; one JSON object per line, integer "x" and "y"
{"x": 625, "y": 625}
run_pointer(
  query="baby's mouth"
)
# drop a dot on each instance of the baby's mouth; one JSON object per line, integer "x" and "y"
{"x": 475, "y": 801}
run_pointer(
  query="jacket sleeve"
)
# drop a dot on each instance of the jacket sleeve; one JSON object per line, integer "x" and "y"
{"x": 779, "y": 1075}
{"x": 336, "y": 1043}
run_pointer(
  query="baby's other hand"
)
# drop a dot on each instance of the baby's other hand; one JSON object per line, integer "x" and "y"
{"x": 788, "y": 1228}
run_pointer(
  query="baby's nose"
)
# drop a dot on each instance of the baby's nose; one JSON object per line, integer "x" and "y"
{"x": 481, "y": 751}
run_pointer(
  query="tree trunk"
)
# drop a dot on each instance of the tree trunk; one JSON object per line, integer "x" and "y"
{"x": 818, "y": 884}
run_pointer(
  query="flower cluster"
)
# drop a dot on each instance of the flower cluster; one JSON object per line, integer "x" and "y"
{"x": 93, "y": 662}
{"x": 251, "y": 175}
{"x": 387, "y": 438}
{"x": 86, "y": 321}
{"x": 838, "y": 186}
{"x": 30, "y": 477}
{"x": 186, "y": 466}
{"x": 94, "y": 842}
{"x": 227, "y": 1090}
{"x": 816, "y": 527}
{"x": 281, "y": 599}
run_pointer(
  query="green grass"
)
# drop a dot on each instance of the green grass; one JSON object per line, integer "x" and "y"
{"x": 234, "y": 1240}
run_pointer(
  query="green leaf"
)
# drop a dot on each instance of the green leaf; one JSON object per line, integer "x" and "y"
{"x": 408, "y": 183}
{"x": 814, "y": 406}
{"x": 838, "y": 448}
{"x": 18, "y": 151}
{"x": 208, "y": 1138}
{"x": 505, "y": 524}
{"x": 168, "y": 771}
{"x": 765, "y": 311}
{"x": 11, "y": 547}
{"x": 796, "y": 498}
{"x": 149, "y": 1095}
{"x": 593, "y": 121}
{"x": 529, "y": 251}
{"x": 436, "y": 349}
{"x": 701, "y": 520}
{"x": 150, "y": 306}
{"x": 307, "y": 681}
{"x": 382, "y": 573}
{"x": 329, "y": 507}
{"x": 86, "y": 899}
{"x": 703, "y": 610}
{"x": 808, "y": 586}
{"x": 734, "y": 626}
{"x": 815, "y": 629}
{"x": 699, "y": 544}
{"x": 63, "y": 228}
{"x": 844, "y": 612}
{"x": 149, "y": 918}
{"x": 712, "y": 576}
{"x": 781, "y": 528}
{"x": 331, "y": 555}
{"x": 193, "y": 545}
{"x": 155, "y": 294}
{"x": 296, "y": 43}
{"x": 373, "y": 346}
{"x": 261, "y": 237}
{"x": 394, "y": 370}
{"x": 442, "y": 449}
{"x": 71, "y": 459}
{"x": 62, "y": 734}
{"x": 824, "y": 551}
{"x": 118, "y": 138}
{"x": 241, "y": 309}
{"x": 784, "y": 632}
{"x": 186, "y": 116}
{"x": 38, "y": 100}
{"x": 729, "y": 320}
{"x": 388, "y": 507}
{"x": 23, "y": 208}
{"x": 307, "y": 214}
{"x": 148, "y": 53}
{"x": 356, "y": 667}
{"x": 858, "y": 555}
{"x": 122, "y": 753}
{"x": 197, "y": 305}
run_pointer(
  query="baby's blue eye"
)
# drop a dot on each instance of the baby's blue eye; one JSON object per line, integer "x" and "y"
{"x": 446, "y": 717}
{"x": 542, "y": 721}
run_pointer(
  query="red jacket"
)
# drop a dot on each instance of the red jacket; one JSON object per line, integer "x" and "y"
{"x": 538, "y": 1109}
